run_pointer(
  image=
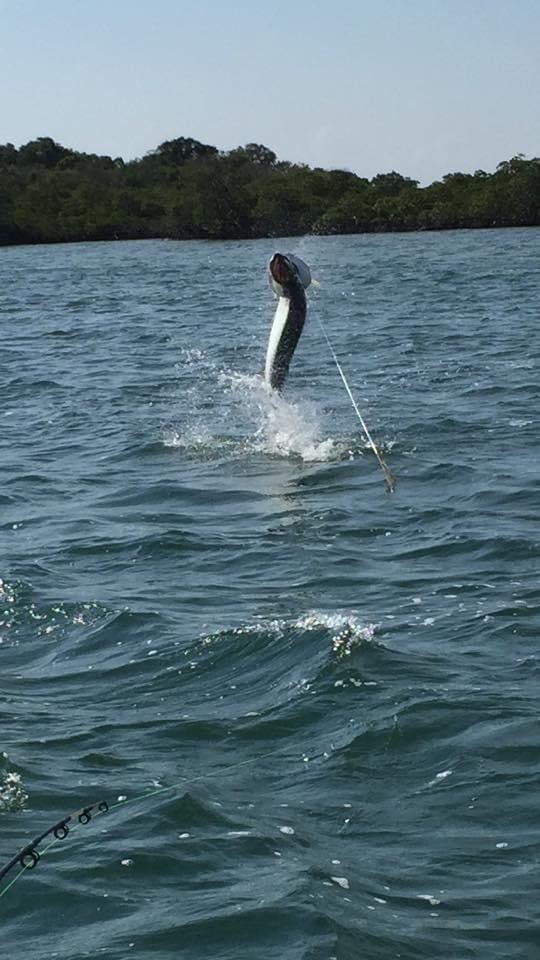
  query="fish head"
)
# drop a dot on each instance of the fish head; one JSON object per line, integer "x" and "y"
{"x": 281, "y": 269}
{"x": 286, "y": 270}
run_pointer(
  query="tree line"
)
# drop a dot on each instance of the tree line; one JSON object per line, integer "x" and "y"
{"x": 185, "y": 189}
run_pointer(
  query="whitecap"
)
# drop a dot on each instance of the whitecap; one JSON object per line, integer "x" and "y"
{"x": 13, "y": 796}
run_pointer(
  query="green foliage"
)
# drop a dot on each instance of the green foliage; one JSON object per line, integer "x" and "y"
{"x": 182, "y": 150}
{"x": 188, "y": 189}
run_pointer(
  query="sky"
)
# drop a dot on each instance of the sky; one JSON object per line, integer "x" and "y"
{"x": 424, "y": 87}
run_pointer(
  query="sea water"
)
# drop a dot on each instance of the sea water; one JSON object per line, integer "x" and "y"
{"x": 311, "y": 705}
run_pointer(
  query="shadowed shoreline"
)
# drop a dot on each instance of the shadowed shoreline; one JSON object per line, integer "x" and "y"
{"x": 187, "y": 190}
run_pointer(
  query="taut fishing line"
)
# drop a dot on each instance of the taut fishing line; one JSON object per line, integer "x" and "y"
{"x": 29, "y": 856}
{"x": 388, "y": 475}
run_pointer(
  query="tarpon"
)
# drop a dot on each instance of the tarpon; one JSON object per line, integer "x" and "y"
{"x": 289, "y": 277}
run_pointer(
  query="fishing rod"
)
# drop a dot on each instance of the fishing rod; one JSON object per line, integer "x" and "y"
{"x": 388, "y": 475}
{"x": 29, "y": 856}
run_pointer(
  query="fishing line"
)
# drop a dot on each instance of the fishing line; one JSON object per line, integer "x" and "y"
{"x": 388, "y": 475}
{"x": 29, "y": 856}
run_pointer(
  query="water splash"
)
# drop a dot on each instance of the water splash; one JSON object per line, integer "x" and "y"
{"x": 13, "y": 796}
{"x": 345, "y": 630}
{"x": 281, "y": 428}
{"x": 24, "y": 617}
{"x": 226, "y": 413}
{"x": 7, "y": 601}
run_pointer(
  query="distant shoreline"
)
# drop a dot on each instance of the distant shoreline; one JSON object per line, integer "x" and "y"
{"x": 188, "y": 190}
{"x": 358, "y": 233}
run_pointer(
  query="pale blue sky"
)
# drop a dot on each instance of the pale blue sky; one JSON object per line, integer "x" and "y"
{"x": 421, "y": 86}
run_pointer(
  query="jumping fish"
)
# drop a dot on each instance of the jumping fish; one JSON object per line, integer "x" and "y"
{"x": 289, "y": 277}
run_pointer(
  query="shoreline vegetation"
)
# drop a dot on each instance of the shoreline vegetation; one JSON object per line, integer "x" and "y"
{"x": 188, "y": 190}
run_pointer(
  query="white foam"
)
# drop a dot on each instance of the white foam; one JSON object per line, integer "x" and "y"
{"x": 439, "y": 777}
{"x": 341, "y": 882}
{"x": 239, "y": 414}
{"x": 346, "y": 631}
{"x": 13, "y": 796}
{"x": 281, "y": 428}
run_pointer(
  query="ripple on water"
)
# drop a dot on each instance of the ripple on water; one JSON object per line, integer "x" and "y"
{"x": 325, "y": 698}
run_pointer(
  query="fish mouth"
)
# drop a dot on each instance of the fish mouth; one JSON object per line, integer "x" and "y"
{"x": 281, "y": 268}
